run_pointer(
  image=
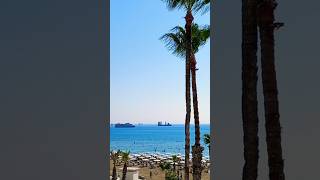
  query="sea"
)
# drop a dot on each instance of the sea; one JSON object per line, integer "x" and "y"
{"x": 154, "y": 139}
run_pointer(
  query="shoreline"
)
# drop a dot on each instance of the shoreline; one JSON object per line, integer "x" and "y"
{"x": 148, "y": 165}
{"x": 157, "y": 173}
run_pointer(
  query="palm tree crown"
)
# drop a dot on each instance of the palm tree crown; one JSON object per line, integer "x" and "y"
{"x": 115, "y": 155}
{"x": 125, "y": 156}
{"x": 195, "y": 5}
{"x": 177, "y": 4}
{"x": 177, "y": 43}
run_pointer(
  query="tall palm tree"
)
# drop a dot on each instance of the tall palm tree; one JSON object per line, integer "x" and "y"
{"x": 249, "y": 89}
{"x": 125, "y": 159}
{"x": 188, "y": 5}
{"x": 114, "y": 157}
{"x": 270, "y": 91}
{"x": 176, "y": 41}
{"x": 206, "y": 138}
{"x": 198, "y": 37}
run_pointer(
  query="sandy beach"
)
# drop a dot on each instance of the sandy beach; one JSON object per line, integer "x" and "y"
{"x": 157, "y": 173}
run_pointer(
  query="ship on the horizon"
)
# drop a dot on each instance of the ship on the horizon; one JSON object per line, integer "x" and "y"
{"x": 125, "y": 125}
{"x": 165, "y": 124}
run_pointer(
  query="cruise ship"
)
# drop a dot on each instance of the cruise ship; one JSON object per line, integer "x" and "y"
{"x": 126, "y": 125}
{"x": 165, "y": 124}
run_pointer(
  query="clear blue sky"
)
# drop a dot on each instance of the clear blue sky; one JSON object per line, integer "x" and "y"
{"x": 148, "y": 82}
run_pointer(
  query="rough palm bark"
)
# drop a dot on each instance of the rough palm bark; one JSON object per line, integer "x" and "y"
{"x": 249, "y": 89}
{"x": 114, "y": 171}
{"x": 114, "y": 157}
{"x": 189, "y": 19}
{"x": 124, "y": 171}
{"x": 197, "y": 149}
{"x": 270, "y": 90}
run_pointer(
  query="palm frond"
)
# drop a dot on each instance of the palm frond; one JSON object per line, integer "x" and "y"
{"x": 200, "y": 35}
{"x": 175, "y": 41}
{"x": 202, "y": 5}
{"x": 125, "y": 156}
{"x": 207, "y": 139}
{"x": 178, "y": 4}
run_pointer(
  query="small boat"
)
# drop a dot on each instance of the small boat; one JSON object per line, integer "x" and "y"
{"x": 126, "y": 125}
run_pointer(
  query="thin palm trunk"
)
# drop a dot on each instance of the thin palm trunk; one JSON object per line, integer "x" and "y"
{"x": 114, "y": 171}
{"x": 124, "y": 171}
{"x": 195, "y": 100}
{"x": 249, "y": 90}
{"x": 270, "y": 90}
{"x": 197, "y": 148}
{"x": 189, "y": 19}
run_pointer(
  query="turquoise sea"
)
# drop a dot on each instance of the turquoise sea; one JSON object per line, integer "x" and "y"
{"x": 153, "y": 138}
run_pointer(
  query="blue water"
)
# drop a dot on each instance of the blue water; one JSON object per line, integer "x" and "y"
{"x": 153, "y": 138}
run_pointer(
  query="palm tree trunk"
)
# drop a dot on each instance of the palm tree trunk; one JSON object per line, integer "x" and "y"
{"x": 197, "y": 149}
{"x": 114, "y": 172}
{"x": 124, "y": 171}
{"x": 249, "y": 90}
{"x": 189, "y": 19}
{"x": 270, "y": 90}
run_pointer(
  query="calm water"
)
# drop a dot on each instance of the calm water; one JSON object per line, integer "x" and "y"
{"x": 153, "y": 138}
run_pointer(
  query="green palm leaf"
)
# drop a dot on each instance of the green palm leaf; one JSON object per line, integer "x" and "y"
{"x": 125, "y": 156}
{"x": 175, "y": 41}
{"x": 203, "y": 5}
{"x": 177, "y": 4}
{"x": 207, "y": 139}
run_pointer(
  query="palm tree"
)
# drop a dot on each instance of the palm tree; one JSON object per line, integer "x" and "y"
{"x": 270, "y": 91}
{"x": 249, "y": 89}
{"x": 175, "y": 159}
{"x": 165, "y": 166}
{"x": 176, "y": 41}
{"x": 188, "y": 6}
{"x": 125, "y": 159}
{"x": 199, "y": 37}
{"x": 206, "y": 138}
{"x": 114, "y": 157}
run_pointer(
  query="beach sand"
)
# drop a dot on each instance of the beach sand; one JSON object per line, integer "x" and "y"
{"x": 157, "y": 173}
